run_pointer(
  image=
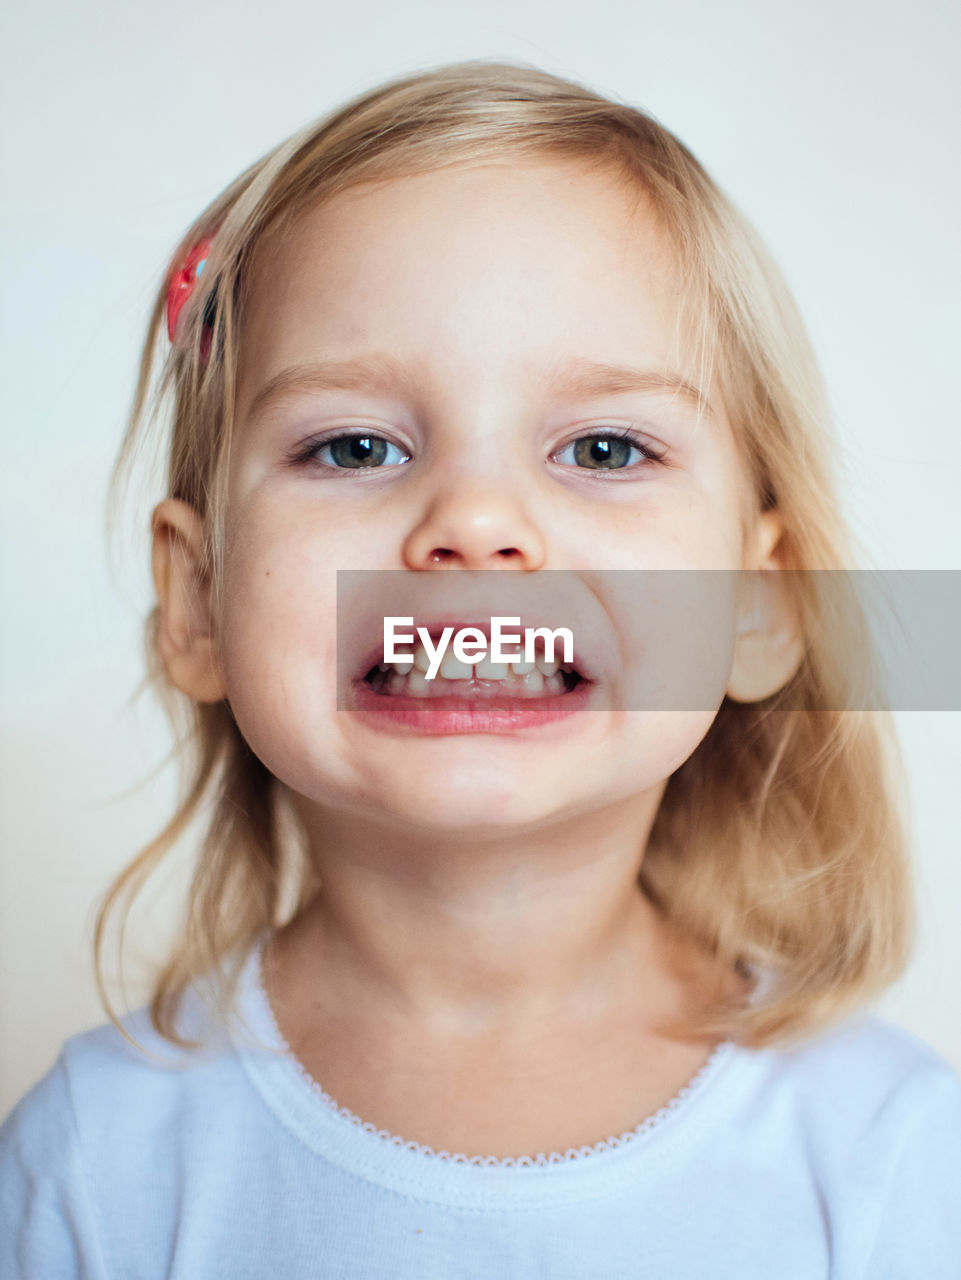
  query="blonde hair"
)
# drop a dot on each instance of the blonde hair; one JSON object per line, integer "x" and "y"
{"x": 780, "y": 843}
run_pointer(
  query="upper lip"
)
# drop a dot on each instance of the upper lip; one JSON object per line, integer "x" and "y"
{"x": 435, "y": 624}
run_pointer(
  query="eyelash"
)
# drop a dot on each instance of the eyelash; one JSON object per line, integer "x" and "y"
{"x": 305, "y": 455}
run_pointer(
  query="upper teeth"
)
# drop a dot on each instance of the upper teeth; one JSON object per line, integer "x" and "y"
{"x": 451, "y": 667}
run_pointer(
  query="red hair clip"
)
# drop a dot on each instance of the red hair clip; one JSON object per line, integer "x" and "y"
{"x": 182, "y": 286}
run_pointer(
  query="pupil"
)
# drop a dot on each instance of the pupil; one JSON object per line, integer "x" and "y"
{"x": 593, "y": 450}
{"x": 363, "y": 451}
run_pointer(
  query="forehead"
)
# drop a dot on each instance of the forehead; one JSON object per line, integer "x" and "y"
{"x": 479, "y": 271}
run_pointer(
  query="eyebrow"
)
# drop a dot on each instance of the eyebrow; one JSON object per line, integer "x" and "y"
{"x": 384, "y": 373}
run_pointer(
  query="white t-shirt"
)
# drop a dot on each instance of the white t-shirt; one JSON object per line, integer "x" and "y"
{"x": 838, "y": 1159}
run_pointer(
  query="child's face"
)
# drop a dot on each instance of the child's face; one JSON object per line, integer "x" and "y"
{"x": 488, "y": 287}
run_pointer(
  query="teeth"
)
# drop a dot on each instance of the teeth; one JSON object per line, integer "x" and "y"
{"x": 487, "y": 670}
{"x": 416, "y": 684}
{"x": 526, "y": 679}
{"x": 451, "y": 668}
{"x": 534, "y": 683}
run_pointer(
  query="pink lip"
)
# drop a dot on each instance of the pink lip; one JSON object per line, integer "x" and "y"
{"x": 463, "y": 714}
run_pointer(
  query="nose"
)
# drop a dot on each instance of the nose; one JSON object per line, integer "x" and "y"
{"x": 483, "y": 527}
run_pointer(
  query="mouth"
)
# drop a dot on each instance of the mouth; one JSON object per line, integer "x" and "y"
{"x": 486, "y": 697}
{"x": 540, "y": 678}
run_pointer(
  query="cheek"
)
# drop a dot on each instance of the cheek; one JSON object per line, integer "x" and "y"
{"x": 691, "y": 519}
{"x": 278, "y": 634}
{"x": 279, "y": 574}
{"x": 660, "y": 742}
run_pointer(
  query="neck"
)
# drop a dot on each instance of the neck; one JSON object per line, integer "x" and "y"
{"x": 462, "y": 934}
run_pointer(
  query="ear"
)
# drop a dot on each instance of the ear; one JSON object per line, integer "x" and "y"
{"x": 186, "y": 638}
{"x": 769, "y": 646}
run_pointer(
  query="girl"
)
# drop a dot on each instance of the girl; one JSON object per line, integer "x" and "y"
{"x": 472, "y": 982}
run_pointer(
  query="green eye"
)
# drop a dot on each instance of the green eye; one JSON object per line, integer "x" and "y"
{"x": 358, "y": 451}
{"x": 608, "y": 450}
{"x": 355, "y": 452}
{"x": 598, "y": 452}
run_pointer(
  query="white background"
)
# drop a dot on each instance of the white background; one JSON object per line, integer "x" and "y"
{"x": 833, "y": 125}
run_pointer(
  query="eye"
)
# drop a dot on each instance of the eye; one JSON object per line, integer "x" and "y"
{"x": 353, "y": 451}
{"x": 610, "y": 450}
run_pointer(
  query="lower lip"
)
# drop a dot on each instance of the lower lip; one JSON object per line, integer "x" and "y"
{"x": 438, "y": 715}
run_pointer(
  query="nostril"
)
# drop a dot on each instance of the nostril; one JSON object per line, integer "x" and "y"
{"x": 440, "y": 553}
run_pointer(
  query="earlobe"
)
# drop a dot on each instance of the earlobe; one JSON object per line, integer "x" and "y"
{"x": 769, "y": 646}
{"x": 185, "y": 635}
